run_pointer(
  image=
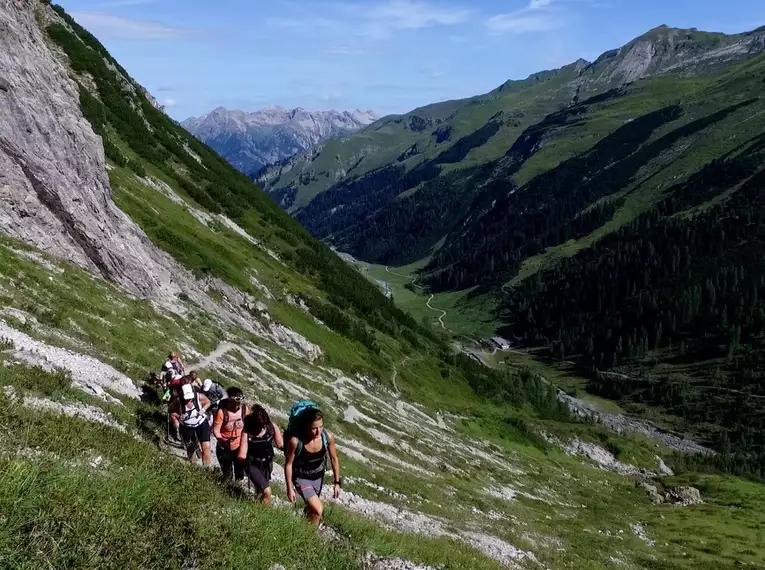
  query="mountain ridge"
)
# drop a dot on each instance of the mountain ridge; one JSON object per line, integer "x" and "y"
{"x": 253, "y": 140}
{"x": 296, "y": 182}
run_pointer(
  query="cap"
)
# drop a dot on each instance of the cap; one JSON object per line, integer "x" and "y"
{"x": 188, "y": 392}
{"x": 207, "y": 384}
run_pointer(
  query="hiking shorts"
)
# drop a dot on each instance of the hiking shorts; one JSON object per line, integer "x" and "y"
{"x": 200, "y": 433}
{"x": 308, "y": 488}
{"x": 260, "y": 474}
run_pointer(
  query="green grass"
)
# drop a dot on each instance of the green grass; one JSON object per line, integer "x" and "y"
{"x": 470, "y": 317}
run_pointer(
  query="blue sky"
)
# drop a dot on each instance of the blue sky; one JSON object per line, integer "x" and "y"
{"x": 385, "y": 55}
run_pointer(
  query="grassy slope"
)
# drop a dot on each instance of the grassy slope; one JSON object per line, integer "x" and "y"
{"x": 113, "y": 501}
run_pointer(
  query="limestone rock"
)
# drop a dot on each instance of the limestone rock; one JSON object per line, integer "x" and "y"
{"x": 652, "y": 491}
{"x": 684, "y": 496}
{"x": 54, "y": 189}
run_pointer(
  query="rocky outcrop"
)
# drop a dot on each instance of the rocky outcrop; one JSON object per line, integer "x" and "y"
{"x": 54, "y": 188}
{"x": 684, "y": 496}
{"x": 677, "y": 496}
{"x": 622, "y": 424}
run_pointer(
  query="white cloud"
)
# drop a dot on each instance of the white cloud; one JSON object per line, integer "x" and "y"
{"x": 128, "y": 28}
{"x": 412, "y": 14}
{"x": 378, "y": 21}
{"x": 537, "y": 16}
{"x": 518, "y": 23}
{"x": 168, "y": 102}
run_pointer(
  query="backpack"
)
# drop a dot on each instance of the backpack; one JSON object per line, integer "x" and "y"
{"x": 298, "y": 408}
{"x": 186, "y": 411}
{"x": 222, "y": 406}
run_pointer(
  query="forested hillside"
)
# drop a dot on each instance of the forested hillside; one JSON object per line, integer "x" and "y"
{"x": 611, "y": 213}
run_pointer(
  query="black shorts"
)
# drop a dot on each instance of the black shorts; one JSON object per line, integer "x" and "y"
{"x": 260, "y": 474}
{"x": 200, "y": 433}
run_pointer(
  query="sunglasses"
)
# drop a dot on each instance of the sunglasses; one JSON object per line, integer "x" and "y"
{"x": 237, "y": 398}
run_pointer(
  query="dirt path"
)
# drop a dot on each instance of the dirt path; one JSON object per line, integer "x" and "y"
{"x": 221, "y": 350}
{"x": 443, "y": 313}
{"x": 427, "y": 303}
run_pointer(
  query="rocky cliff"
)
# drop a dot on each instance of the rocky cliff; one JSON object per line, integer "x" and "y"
{"x": 54, "y": 188}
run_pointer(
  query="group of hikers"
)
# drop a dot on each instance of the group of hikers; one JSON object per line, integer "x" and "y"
{"x": 246, "y": 437}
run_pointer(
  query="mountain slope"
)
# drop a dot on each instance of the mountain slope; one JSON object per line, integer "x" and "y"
{"x": 251, "y": 141}
{"x": 590, "y": 233}
{"x": 414, "y": 140}
{"x": 447, "y": 463}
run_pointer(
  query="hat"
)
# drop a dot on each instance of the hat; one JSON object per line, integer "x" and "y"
{"x": 188, "y": 392}
{"x": 207, "y": 384}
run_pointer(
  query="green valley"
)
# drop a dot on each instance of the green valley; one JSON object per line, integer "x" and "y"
{"x": 630, "y": 269}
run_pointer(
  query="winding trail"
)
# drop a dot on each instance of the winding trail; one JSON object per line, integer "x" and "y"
{"x": 427, "y": 303}
{"x": 432, "y": 308}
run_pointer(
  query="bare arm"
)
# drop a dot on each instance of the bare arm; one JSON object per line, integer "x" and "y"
{"x": 242, "y": 455}
{"x": 204, "y": 401}
{"x": 217, "y": 424}
{"x": 289, "y": 458}
{"x": 278, "y": 439}
{"x": 333, "y": 457}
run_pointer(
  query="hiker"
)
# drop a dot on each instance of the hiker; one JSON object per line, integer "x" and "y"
{"x": 190, "y": 411}
{"x": 173, "y": 397}
{"x": 305, "y": 458}
{"x": 257, "y": 450}
{"x": 172, "y": 367}
{"x": 227, "y": 429}
{"x": 194, "y": 380}
{"x": 215, "y": 393}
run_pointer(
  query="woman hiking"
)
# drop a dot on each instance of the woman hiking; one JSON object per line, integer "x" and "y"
{"x": 257, "y": 450}
{"x": 305, "y": 462}
{"x": 190, "y": 412}
{"x": 227, "y": 429}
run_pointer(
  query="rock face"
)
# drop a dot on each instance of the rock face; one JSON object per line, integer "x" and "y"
{"x": 54, "y": 189}
{"x": 251, "y": 141}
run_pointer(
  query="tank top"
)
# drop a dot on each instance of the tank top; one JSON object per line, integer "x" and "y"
{"x": 232, "y": 425}
{"x": 260, "y": 448}
{"x": 193, "y": 416}
{"x": 310, "y": 465}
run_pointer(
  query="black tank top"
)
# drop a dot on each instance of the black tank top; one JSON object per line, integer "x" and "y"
{"x": 310, "y": 465}
{"x": 261, "y": 448}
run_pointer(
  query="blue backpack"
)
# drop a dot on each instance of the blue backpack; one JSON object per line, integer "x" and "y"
{"x": 293, "y": 425}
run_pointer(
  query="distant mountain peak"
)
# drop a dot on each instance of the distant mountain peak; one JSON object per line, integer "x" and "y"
{"x": 252, "y": 140}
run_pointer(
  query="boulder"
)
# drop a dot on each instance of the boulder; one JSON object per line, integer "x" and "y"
{"x": 684, "y": 496}
{"x": 652, "y": 491}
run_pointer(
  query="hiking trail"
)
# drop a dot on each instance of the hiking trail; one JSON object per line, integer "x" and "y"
{"x": 422, "y": 289}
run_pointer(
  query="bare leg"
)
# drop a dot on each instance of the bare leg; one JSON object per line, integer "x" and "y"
{"x": 206, "y": 453}
{"x": 266, "y": 497}
{"x": 174, "y": 426}
{"x": 313, "y": 510}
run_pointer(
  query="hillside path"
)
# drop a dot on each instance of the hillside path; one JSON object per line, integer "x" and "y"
{"x": 427, "y": 303}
